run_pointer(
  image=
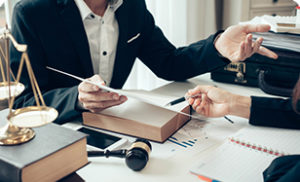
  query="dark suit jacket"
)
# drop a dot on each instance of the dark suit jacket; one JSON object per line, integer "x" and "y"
{"x": 283, "y": 169}
{"x": 274, "y": 112}
{"x": 55, "y": 34}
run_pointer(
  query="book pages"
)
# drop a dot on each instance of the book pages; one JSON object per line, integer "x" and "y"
{"x": 134, "y": 109}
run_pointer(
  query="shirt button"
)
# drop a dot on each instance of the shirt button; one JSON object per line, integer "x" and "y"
{"x": 104, "y": 53}
{"x": 92, "y": 16}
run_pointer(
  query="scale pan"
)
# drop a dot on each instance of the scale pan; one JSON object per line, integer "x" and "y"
{"x": 32, "y": 116}
{"x": 15, "y": 87}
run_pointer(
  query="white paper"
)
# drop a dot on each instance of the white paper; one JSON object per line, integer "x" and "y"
{"x": 235, "y": 162}
{"x": 134, "y": 95}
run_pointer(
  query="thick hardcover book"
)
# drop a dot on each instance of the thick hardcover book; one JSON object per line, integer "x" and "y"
{"x": 141, "y": 119}
{"x": 52, "y": 154}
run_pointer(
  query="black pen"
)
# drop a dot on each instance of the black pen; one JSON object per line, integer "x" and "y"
{"x": 228, "y": 119}
{"x": 181, "y": 99}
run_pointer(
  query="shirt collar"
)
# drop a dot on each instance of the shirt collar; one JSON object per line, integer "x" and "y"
{"x": 85, "y": 11}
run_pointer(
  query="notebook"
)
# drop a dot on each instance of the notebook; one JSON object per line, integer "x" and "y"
{"x": 245, "y": 155}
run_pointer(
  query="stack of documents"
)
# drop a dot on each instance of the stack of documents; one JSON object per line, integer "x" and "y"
{"x": 283, "y": 41}
{"x": 279, "y": 24}
{"x": 282, "y": 23}
{"x": 284, "y": 34}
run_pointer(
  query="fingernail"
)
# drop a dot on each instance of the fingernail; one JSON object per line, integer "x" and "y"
{"x": 116, "y": 97}
{"x": 123, "y": 99}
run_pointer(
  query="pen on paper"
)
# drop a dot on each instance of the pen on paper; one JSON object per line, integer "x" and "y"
{"x": 181, "y": 99}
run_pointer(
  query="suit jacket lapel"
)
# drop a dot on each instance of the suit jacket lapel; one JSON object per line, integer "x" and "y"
{"x": 121, "y": 66}
{"x": 72, "y": 20}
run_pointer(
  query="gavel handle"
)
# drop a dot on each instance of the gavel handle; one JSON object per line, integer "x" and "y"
{"x": 107, "y": 153}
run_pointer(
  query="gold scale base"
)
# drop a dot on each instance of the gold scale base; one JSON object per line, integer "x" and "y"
{"x": 13, "y": 135}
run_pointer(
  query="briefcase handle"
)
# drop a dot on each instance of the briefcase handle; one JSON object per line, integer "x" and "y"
{"x": 270, "y": 89}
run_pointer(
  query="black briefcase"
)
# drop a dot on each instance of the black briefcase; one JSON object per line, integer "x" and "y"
{"x": 277, "y": 77}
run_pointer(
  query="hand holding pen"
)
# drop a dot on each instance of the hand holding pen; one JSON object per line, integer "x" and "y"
{"x": 213, "y": 102}
{"x": 208, "y": 101}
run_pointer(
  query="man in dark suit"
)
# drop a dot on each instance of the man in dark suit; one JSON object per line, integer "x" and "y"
{"x": 103, "y": 38}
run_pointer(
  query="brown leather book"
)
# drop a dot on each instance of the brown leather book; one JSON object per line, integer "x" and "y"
{"x": 141, "y": 119}
{"x": 52, "y": 154}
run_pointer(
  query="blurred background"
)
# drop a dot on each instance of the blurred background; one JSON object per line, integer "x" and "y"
{"x": 187, "y": 21}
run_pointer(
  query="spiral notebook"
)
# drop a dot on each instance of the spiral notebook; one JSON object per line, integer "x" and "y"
{"x": 245, "y": 155}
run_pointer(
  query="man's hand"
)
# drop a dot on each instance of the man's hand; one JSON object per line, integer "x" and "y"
{"x": 236, "y": 42}
{"x": 94, "y": 99}
{"x": 212, "y": 102}
{"x": 216, "y": 102}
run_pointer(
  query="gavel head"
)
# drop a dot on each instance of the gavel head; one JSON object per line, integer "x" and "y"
{"x": 138, "y": 154}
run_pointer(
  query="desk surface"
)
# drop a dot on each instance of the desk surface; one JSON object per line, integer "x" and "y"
{"x": 168, "y": 161}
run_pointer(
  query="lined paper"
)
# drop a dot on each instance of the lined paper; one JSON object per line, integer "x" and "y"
{"x": 236, "y": 162}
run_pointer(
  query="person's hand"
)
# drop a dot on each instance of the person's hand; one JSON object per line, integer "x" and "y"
{"x": 211, "y": 102}
{"x": 216, "y": 102}
{"x": 236, "y": 42}
{"x": 94, "y": 99}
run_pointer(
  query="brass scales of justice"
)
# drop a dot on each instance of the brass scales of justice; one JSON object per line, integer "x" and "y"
{"x": 20, "y": 121}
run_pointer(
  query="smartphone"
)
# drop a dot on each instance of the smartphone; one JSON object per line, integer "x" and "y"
{"x": 97, "y": 140}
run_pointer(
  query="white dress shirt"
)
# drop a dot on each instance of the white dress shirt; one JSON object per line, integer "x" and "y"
{"x": 103, "y": 34}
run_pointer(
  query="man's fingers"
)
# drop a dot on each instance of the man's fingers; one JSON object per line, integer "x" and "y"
{"x": 97, "y": 96}
{"x": 199, "y": 89}
{"x": 191, "y": 101}
{"x": 248, "y": 44}
{"x": 203, "y": 102}
{"x": 241, "y": 54}
{"x": 87, "y": 87}
{"x": 257, "y": 44}
{"x": 249, "y": 28}
{"x": 97, "y": 79}
{"x": 266, "y": 52}
{"x": 103, "y": 105}
{"x": 196, "y": 103}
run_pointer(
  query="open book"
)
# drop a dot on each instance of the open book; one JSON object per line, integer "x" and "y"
{"x": 147, "y": 117}
{"x": 245, "y": 155}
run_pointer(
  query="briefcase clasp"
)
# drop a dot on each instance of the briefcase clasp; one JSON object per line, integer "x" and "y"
{"x": 240, "y": 68}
